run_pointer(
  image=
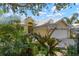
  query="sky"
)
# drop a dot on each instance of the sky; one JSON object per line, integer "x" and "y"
{"x": 49, "y": 13}
{"x": 46, "y": 14}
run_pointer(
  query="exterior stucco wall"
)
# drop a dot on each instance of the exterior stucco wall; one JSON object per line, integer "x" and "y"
{"x": 60, "y": 34}
{"x": 42, "y": 31}
{"x": 61, "y": 25}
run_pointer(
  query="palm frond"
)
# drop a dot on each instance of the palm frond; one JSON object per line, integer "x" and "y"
{"x": 40, "y": 39}
{"x": 59, "y": 49}
{"x": 50, "y": 32}
{"x": 56, "y": 43}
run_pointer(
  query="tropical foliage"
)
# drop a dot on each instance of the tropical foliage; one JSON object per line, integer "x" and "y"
{"x": 72, "y": 51}
{"x": 14, "y": 41}
{"x": 72, "y": 19}
{"x": 49, "y": 43}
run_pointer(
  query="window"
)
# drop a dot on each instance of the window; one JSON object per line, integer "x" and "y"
{"x": 30, "y": 27}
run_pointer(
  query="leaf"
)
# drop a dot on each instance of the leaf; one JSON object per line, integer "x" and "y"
{"x": 59, "y": 49}
{"x": 1, "y": 11}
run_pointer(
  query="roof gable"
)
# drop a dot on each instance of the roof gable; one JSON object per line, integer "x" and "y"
{"x": 61, "y": 23}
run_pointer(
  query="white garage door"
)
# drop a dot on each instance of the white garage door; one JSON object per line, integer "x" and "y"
{"x": 60, "y": 34}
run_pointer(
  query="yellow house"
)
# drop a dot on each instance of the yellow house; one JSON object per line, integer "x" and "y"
{"x": 44, "y": 28}
{"x": 30, "y": 26}
{"x": 61, "y": 32}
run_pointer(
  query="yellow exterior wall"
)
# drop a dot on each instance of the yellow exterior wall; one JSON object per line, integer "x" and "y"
{"x": 42, "y": 31}
{"x": 61, "y": 24}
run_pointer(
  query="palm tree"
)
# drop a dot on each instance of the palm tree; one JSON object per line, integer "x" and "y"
{"x": 49, "y": 43}
{"x": 73, "y": 19}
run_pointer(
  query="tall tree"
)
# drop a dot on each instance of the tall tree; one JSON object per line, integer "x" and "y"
{"x": 72, "y": 19}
